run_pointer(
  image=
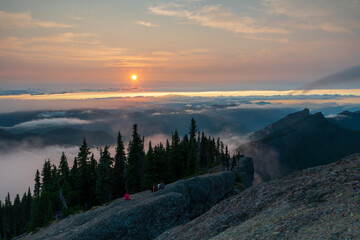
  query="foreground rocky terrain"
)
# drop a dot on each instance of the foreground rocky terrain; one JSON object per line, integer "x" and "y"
{"x": 316, "y": 203}
{"x": 147, "y": 215}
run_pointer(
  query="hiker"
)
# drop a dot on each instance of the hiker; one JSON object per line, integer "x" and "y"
{"x": 127, "y": 196}
{"x": 162, "y": 185}
{"x": 154, "y": 188}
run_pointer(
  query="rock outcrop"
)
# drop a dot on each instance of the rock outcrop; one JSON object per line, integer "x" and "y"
{"x": 316, "y": 203}
{"x": 147, "y": 215}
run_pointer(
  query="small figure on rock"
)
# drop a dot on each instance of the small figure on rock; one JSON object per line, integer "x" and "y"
{"x": 154, "y": 188}
{"x": 127, "y": 196}
{"x": 162, "y": 185}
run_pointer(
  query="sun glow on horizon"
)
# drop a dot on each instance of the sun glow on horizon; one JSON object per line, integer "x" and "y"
{"x": 133, "y": 77}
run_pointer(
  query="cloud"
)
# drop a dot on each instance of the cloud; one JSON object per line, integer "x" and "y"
{"x": 25, "y": 20}
{"x": 215, "y": 16}
{"x": 76, "y": 18}
{"x": 146, "y": 24}
{"x": 327, "y": 15}
{"x": 349, "y": 75}
{"x": 53, "y": 122}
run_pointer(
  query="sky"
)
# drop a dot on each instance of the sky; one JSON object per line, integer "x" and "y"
{"x": 176, "y": 45}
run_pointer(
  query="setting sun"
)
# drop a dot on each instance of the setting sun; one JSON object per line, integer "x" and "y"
{"x": 133, "y": 77}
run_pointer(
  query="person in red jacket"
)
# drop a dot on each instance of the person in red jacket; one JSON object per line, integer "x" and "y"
{"x": 127, "y": 196}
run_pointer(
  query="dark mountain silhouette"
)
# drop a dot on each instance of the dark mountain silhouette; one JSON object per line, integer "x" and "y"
{"x": 347, "y": 119}
{"x": 298, "y": 141}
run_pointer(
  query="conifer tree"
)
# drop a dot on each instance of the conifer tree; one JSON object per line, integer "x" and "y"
{"x": 37, "y": 184}
{"x": 83, "y": 177}
{"x": 119, "y": 169}
{"x": 63, "y": 170}
{"x": 17, "y": 216}
{"x": 136, "y": 157}
{"x": 193, "y": 149}
{"x": 176, "y": 169}
{"x": 103, "y": 181}
{"x": 46, "y": 177}
{"x": 92, "y": 180}
{"x": 150, "y": 169}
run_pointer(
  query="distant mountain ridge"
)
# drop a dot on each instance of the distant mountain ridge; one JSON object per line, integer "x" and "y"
{"x": 347, "y": 119}
{"x": 298, "y": 141}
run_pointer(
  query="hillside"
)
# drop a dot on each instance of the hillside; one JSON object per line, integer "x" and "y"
{"x": 147, "y": 215}
{"x": 298, "y": 141}
{"x": 316, "y": 203}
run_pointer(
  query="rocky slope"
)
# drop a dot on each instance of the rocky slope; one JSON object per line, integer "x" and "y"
{"x": 316, "y": 203}
{"x": 147, "y": 215}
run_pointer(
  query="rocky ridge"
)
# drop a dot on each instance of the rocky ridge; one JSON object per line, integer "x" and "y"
{"x": 316, "y": 203}
{"x": 147, "y": 215}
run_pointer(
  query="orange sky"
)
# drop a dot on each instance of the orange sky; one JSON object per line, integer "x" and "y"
{"x": 202, "y": 45}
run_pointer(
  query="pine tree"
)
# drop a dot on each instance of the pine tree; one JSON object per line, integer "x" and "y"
{"x": 2, "y": 221}
{"x": 83, "y": 174}
{"x": 135, "y": 168}
{"x": 92, "y": 180}
{"x": 150, "y": 169}
{"x": 193, "y": 151}
{"x": 9, "y": 217}
{"x": 37, "y": 184}
{"x": 17, "y": 215}
{"x": 119, "y": 169}
{"x": 176, "y": 169}
{"x": 103, "y": 181}
{"x": 64, "y": 171}
{"x": 46, "y": 177}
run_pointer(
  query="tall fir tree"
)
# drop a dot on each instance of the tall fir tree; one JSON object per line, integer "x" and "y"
{"x": 92, "y": 180}
{"x": 176, "y": 169}
{"x": 150, "y": 169}
{"x": 46, "y": 177}
{"x": 64, "y": 171}
{"x": 136, "y": 158}
{"x": 193, "y": 149}
{"x": 103, "y": 181}
{"x": 83, "y": 177}
{"x": 119, "y": 169}
{"x": 37, "y": 184}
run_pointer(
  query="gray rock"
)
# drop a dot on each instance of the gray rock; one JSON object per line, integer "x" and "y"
{"x": 147, "y": 215}
{"x": 316, "y": 203}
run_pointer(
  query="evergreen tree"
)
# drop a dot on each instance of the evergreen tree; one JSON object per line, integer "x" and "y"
{"x": 204, "y": 151}
{"x": 135, "y": 168}
{"x": 74, "y": 194}
{"x": 92, "y": 180}
{"x": 103, "y": 181}
{"x": 2, "y": 222}
{"x": 150, "y": 168}
{"x": 193, "y": 150}
{"x": 46, "y": 177}
{"x": 9, "y": 217}
{"x": 119, "y": 169}
{"x": 83, "y": 177}
{"x": 176, "y": 168}
{"x": 37, "y": 184}
{"x": 63, "y": 171}
{"x": 17, "y": 216}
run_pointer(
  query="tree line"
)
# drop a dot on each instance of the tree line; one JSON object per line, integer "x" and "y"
{"x": 66, "y": 190}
